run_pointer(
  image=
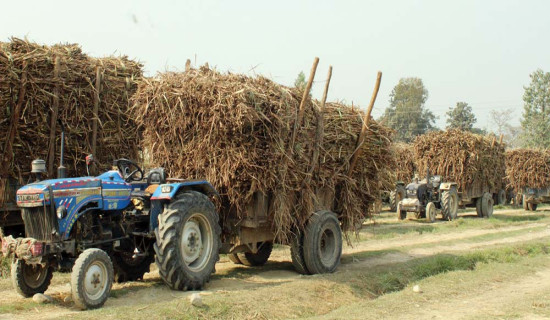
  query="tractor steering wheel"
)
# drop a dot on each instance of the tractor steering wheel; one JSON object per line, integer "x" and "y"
{"x": 124, "y": 166}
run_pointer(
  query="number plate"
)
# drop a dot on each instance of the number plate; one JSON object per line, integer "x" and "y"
{"x": 28, "y": 197}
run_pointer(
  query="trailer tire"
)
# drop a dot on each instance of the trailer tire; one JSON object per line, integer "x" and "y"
{"x": 449, "y": 204}
{"x": 487, "y": 205}
{"x": 259, "y": 258}
{"x": 322, "y": 242}
{"x": 131, "y": 269}
{"x": 395, "y": 196}
{"x": 234, "y": 258}
{"x": 533, "y": 206}
{"x": 92, "y": 267}
{"x": 187, "y": 241}
{"x": 297, "y": 253}
{"x": 28, "y": 279}
{"x": 501, "y": 197}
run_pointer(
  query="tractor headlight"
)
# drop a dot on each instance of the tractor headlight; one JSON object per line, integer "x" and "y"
{"x": 61, "y": 212}
{"x": 166, "y": 189}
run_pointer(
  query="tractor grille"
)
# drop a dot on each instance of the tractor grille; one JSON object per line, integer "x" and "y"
{"x": 40, "y": 223}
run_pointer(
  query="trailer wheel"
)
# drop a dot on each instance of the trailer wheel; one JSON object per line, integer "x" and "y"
{"x": 234, "y": 258}
{"x": 259, "y": 258}
{"x": 431, "y": 212}
{"x": 449, "y": 204}
{"x": 395, "y": 196}
{"x": 187, "y": 241}
{"x": 487, "y": 205}
{"x": 478, "y": 207}
{"x": 401, "y": 214}
{"x": 525, "y": 204}
{"x": 533, "y": 206}
{"x": 297, "y": 253}
{"x": 30, "y": 279}
{"x": 501, "y": 197}
{"x": 91, "y": 279}
{"x": 129, "y": 267}
{"x": 322, "y": 242}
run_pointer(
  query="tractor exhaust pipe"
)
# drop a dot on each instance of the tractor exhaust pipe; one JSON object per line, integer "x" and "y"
{"x": 61, "y": 170}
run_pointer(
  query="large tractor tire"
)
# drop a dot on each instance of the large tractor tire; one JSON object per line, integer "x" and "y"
{"x": 259, "y": 258}
{"x": 525, "y": 204}
{"x": 487, "y": 205}
{"x": 449, "y": 204}
{"x": 30, "y": 279}
{"x": 397, "y": 195}
{"x": 129, "y": 267}
{"x": 91, "y": 279}
{"x": 322, "y": 242}
{"x": 431, "y": 212}
{"x": 297, "y": 253}
{"x": 188, "y": 241}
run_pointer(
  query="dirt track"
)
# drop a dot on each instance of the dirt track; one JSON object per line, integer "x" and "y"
{"x": 282, "y": 284}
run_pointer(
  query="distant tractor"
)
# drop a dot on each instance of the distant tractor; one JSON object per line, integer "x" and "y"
{"x": 532, "y": 197}
{"x": 427, "y": 196}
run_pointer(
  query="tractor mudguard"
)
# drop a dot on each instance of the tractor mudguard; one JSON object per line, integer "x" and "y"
{"x": 165, "y": 192}
{"x": 445, "y": 186}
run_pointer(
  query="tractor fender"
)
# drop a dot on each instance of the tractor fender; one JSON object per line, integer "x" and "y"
{"x": 164, "y": 193}
{"x": 445, "y": 186}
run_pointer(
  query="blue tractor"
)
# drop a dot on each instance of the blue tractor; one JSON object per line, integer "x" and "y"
{"x": 111, "y": 228}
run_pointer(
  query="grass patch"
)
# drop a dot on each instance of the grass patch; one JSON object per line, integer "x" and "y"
{"x": 5, "y": 266}
{"x": 18, "y": 307}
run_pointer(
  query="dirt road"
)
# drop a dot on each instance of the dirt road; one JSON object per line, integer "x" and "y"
{"x": 277, "y": 291}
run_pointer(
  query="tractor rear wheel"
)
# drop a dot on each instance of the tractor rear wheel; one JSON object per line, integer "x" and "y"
{"x": 187, "y": 241}
{"x": 395, "y": 196}
{"x": 449, "y": 204}
{"x": 297, "y": 253}
{"x": 259, "y": 258}
{"x": 30, "y": 279}
{"x": 91, "y": 279}
{"x": 322, "y": 242}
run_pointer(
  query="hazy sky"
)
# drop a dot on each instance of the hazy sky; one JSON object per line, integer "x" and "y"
{"x": 480, "y": 52}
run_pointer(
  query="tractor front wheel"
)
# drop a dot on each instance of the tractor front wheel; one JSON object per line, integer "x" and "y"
{"x": 431, "y": 212}
{"x": 188, "y": 241}
{"x": 92, "y": 279}
{"x": 30, "y": 279}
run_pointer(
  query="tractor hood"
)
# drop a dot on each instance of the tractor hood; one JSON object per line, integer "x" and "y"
{"x": 40, "y": 193}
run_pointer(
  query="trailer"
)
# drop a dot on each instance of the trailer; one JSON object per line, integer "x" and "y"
{"x": 482, "y": 197}
{"x": 532, "y": 197}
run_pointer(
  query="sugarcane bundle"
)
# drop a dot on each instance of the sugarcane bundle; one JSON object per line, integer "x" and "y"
{"x": 241, "y": 133}
{"x": 42, "y": 84}
{"x": 528, "y": 168}
{"x": 463, "y": 157}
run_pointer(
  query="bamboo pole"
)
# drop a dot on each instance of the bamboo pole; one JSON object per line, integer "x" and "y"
{"x": 320, "y": 126}
{"x": 361, "y": 138}
{"x": 53, "y": 120}
{"x": 12, "y": 133}
{"x": 298, "y": 120}
{"x": 96, "y": 110}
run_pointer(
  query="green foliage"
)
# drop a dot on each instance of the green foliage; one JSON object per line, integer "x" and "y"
{"x": 300, "y": 81}
{"x": 461, "y": 117}
{"x": 407, "y": 113}
{"x": 536, "y": 111}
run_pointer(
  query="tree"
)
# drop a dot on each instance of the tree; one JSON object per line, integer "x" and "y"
{"x": 461, "y": 117}
{"x": 501, "y": 119}
{"x": 406, "y": 113}
{"x": 536, "y": 111}
{"x": 300, "y": 81}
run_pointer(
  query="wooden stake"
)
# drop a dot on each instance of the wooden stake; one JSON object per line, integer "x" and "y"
{"x": 501, "y": 137}
{"x": 53, "y": 120}
{"x": 12, "y": 133}
{"x": 96, "y": 110}
{"x": 320, "y": 126}
{"x": 494, "y": 141}
{"x": 361, "y": 138}
{"x": 307, "y": 90}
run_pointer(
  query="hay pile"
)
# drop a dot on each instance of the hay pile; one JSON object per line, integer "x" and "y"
{"x": 29, "y": 81}
{"x": 462, "y": 157}
{"x": 404, "y": 162}
{"x": 528, "y": 168}
{"x": 235, "y": 131}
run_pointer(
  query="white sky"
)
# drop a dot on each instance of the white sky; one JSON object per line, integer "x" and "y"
{"x": 480, "y": 52}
